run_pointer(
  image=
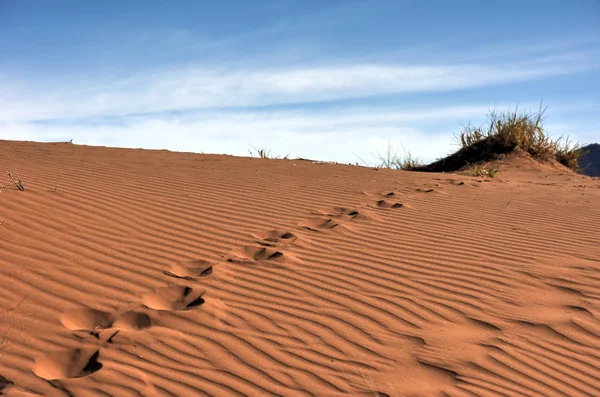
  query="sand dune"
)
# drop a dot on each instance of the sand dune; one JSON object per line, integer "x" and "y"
{"x": 151, "y": 273}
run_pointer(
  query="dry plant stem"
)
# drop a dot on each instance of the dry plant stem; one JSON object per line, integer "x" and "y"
{"x": 262, "y": 153}
{"x": 392, "y": 160}
{"x": 18, "y": 182}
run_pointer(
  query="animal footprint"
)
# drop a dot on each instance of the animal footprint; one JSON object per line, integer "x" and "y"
{"x": 132, "y": 321}
{"x": 316, "y": 224}
{"x": 385, "y": 194}
{"x": 275, "y": 237}
{"x": 86, "y": 319}
{"x": 188, "y": 270}
{"x": 388, "y": 204}
{"x": 67, "y": 363}
{"x": 174, "y": 297}
{"x": 258, "y": 254}
{"x": 345, "y": 214}
{"x": 340, "y": 212}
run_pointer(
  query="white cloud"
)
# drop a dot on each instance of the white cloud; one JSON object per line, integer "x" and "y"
{"x": 327, "y": 135}
{"x": 332, "y": 134}
{"x": 102, "y": 111}
{"x": 200, "y": 87}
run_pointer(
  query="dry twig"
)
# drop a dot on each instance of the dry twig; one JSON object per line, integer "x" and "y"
{"x": 17, "y": 181}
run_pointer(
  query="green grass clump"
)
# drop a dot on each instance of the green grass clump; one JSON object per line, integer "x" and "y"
{"x": 519, "y": 130}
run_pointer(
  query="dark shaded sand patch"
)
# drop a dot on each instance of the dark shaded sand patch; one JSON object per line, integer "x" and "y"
{"x": 4, "y": 384}
{"x": 67, "y": 363}
{"x": 133, "y": 321}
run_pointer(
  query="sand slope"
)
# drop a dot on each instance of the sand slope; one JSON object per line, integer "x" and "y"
{"x": 151, "y": 273}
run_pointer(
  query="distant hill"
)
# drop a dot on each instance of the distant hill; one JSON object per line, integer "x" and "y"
{"x": 590, "y": 160}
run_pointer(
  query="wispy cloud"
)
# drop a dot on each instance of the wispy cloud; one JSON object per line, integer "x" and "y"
{"x": 203, "y": 87}
{"x": 328, "y": 135}
{"x": 341, "y": 135}
{"x": 223, "y": 107}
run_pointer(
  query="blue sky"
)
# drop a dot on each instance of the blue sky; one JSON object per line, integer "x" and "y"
{"x": 328, "y": 80}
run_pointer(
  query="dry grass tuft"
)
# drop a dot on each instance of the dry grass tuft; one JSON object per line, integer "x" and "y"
{"x": 568, "y": 154}
{"x": 264, "y": 153}
{"x": 390, "y": 159}
{"x": 261, "y": 152}
{"x": 520, "y": 130}
{"x": 481, "y": 171}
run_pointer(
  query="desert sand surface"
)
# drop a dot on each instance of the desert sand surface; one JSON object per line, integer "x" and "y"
{"x": 151, "y": 273}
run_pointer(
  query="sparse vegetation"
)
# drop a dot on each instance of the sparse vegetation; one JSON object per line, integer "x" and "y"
{"x": 410, "y": 163}
{"x": 521, "y": 130}
{"x": 390, "y": 159}
{"x": 568, "y": 154}
{"x": 261, "y": 152}
{"x": 507, "y": 132}
{"x": 17, "y": 181}
{"x": 264, "y": 153}
{"x": 481, "y": 171}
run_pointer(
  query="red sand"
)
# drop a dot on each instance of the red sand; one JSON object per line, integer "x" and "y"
{"x": 152, "y": 273}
